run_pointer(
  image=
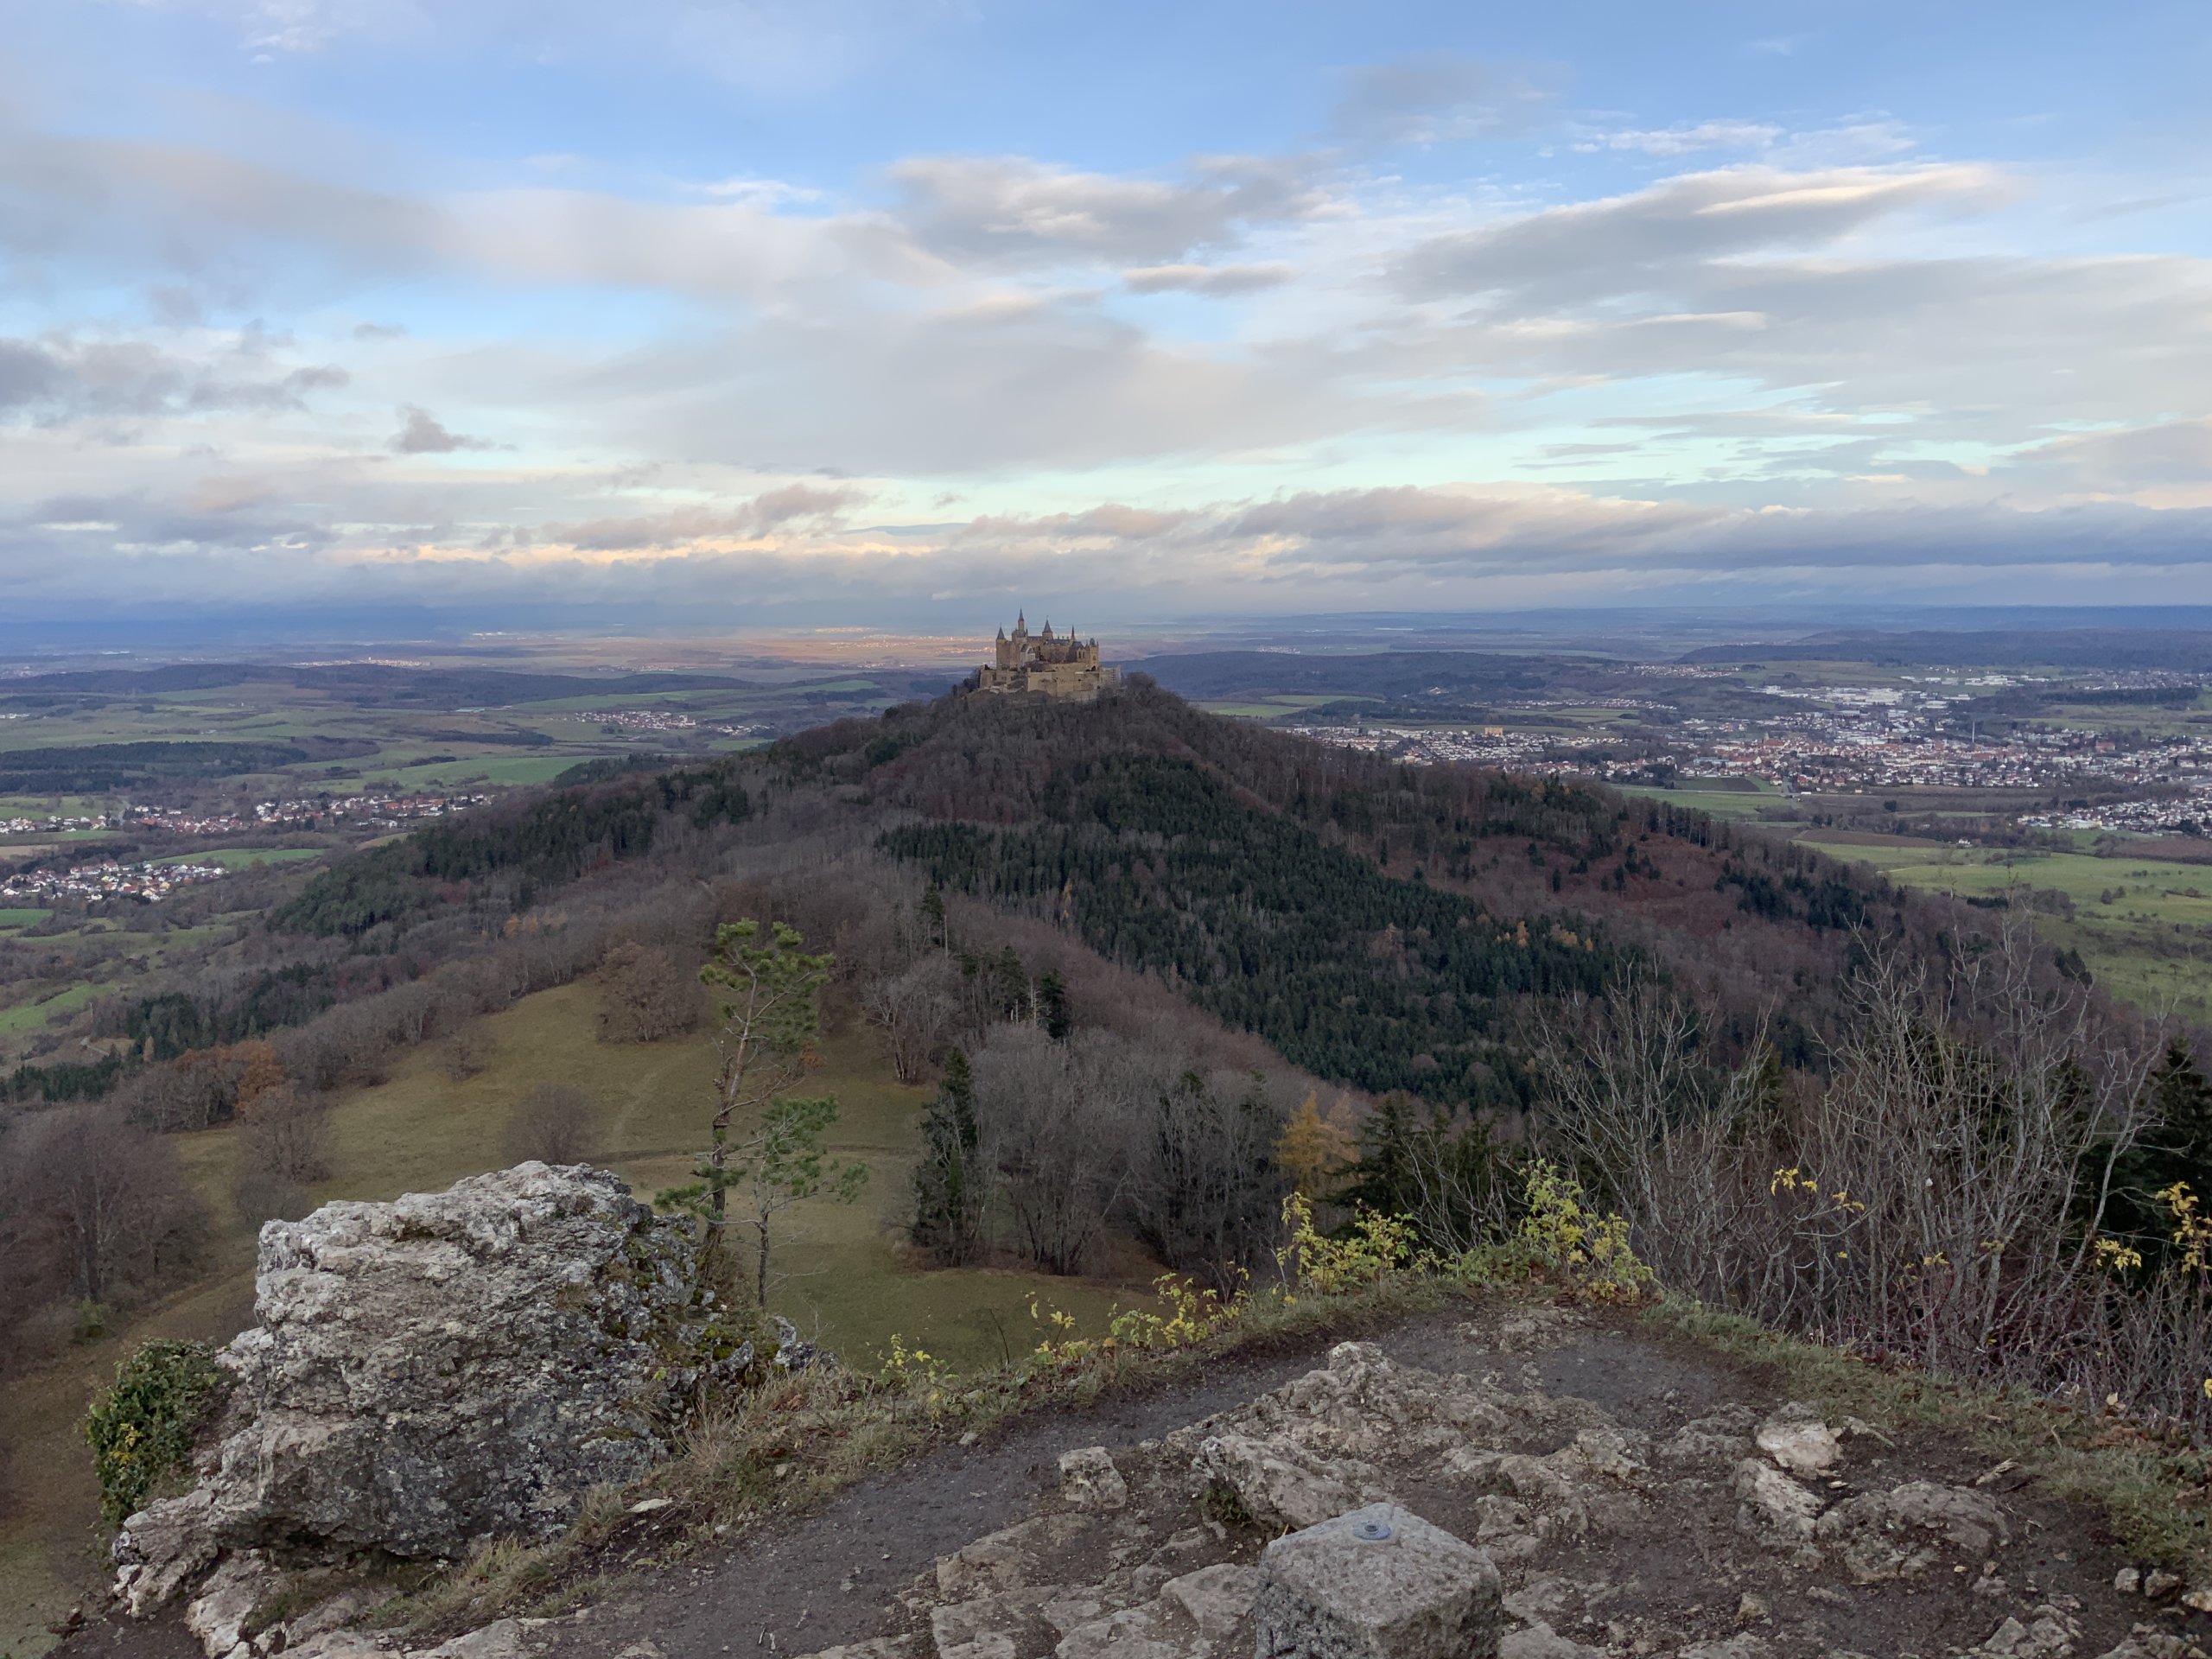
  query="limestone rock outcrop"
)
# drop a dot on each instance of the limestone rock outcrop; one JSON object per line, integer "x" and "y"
{"x": 431, "y": 1371}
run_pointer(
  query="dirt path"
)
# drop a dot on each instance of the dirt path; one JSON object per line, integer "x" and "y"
{"x": 1671, "y": 1566}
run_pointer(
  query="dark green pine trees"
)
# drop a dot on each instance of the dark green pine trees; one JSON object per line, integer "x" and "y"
{"x": 949, "y": 1192}
{"x": 2175, "y": 1146}
{"x": 1052, "y": 998}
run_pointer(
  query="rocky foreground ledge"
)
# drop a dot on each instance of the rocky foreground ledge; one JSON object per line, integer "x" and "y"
{"x": 1514, "y": 1520}
{"x": 1526, "y": 1482}
{"x": 1720, "y": 1533}
{"x": 427, "y": 1373}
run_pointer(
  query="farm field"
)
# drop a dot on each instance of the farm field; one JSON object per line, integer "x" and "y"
{"x": 244, "y": 858}
{"x": 1281, "y": 703}
{"x": 382, "y": 729}
{"x": 2143, "y": 926}
{"x": 1721, "y": 803}
{"x": 46, "y": 1007}
{"x": 505, "y": 768}
{"x": 843, "y": 1277}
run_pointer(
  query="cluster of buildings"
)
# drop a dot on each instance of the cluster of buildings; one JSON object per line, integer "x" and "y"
{"x": 2187, "y": 814}
{"x": 1823, "y": 752}
{"x": 638, "y": 720}
{"x": 1491, "y": 746}
{"x": 57, "y": 825}
{"x": 381, "y": 811}
{"x": 149, "y": 883}
{"x": 378, "y": 811}
{"x": 1860, "y": 738}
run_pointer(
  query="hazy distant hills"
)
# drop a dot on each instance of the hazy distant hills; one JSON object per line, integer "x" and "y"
{"x": 2185, "y": 650}
{"x": 1211, "y": 674}
{"x": 371, "y": 684}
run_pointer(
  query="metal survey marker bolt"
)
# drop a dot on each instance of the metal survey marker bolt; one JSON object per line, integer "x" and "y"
{"x": 1429, "y": 1596}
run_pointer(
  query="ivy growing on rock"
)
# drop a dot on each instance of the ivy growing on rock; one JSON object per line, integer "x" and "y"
{"x": 141, "y": 1429}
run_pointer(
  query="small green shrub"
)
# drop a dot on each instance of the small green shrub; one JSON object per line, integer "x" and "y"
{"x": 141, "y": 1429}
{"x": 1221, "y": 1504}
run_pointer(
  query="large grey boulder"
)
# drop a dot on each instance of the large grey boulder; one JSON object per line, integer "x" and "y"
{"x": 1899, "y": 1533}
{"x": 444, "y": 1368}
{"x": 1379, "y": 1583}
{"x": 1274, "y": 1482}
{"x": 1772, "y": 1509}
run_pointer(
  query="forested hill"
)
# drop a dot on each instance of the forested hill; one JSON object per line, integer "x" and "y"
{"x": 1387, "y": 925}
{"x": 370, "y": 684}
{"x": 1225, "y": 855}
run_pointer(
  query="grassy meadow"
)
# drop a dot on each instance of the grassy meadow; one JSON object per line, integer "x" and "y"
{"x": 244, "y": 858}
{"x": 842, "y": 1275}
{"x": 2144, "y": 925}
{"x": 1720, "y": 802}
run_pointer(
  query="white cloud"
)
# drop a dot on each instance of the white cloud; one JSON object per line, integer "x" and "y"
{"x": 1206, "y": 279}
{"x": 1677, "y": 141}
{"x": 1617, "y": 244}
{"x": 61, "y": 377}
{"x": 423, "y": 434}
{"x": 1449, "y": 547}
{"x": 786, "y": 47}
{"x": 1860, "y": 344}
{"x": 1434, "y": 98}
{"x": 1016, "y": 210}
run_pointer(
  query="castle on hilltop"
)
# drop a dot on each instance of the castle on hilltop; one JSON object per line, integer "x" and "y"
{"x": 1054, "y": 665}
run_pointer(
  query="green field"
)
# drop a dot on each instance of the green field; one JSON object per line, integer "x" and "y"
{"x": 2118, "y": 888}
{"x": 29, "y": 1016}
{"x": 2143, "y": 926}
{"x": 22, "y": 918}
{"x": 241, "y": 858}
{"x": 1720, "y": 802}
{"x": 1285, "y": 702}
{"x": 506, "y": 767}
{"x": 845, "y": 1276}
{"x": 416, "y": 747}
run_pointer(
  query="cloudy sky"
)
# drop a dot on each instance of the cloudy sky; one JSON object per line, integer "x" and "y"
{"x": 684, "y": 313}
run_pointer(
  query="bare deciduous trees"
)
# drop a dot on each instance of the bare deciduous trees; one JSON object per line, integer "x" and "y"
{"x": 915, "y": 1008}
{"x": 1206, "y": 1192}
{"x": 1942, "y": 1195}
{"x": 1056, "y": 1125}
{"x": 284, "y": 1148}
{"x": 554, "y": 1123}
{"x": 91, "y": 1206}
{"x": 468, "y": 1053}
{"x": 644, "y": 996}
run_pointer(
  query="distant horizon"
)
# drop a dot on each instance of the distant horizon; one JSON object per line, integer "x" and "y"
{"x": 276, "y": 640}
